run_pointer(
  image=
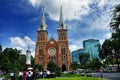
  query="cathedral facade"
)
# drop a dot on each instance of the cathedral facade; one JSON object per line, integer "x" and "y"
{"x": 52, "y": 50}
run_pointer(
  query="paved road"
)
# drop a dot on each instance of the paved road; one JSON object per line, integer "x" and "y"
{"x": 109, "y": 76}
{"x": 1, "y": 78}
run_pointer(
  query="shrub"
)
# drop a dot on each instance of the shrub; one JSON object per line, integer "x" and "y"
{"x": 7, "y": 76}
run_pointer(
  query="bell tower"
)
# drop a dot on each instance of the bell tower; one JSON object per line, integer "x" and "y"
{"x": 64, "y": 59}
{"x": 41, "y": 42}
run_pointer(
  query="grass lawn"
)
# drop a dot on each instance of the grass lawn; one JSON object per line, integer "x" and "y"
{"x": 73, "y": 78}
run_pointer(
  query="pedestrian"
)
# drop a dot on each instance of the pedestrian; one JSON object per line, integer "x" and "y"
{"x": 25, "y": 75}
{"x": 12, "y": 75}
{"x": 41, "y": 74}
{"x": 20, "y": 75}
{"x": 48, "y": 73}
{"x": 35, "y": 74}
{"x": 101, "y": 74}
{"x": 29, "y": 75}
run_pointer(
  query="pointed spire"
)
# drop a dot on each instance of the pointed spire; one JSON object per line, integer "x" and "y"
{"x": 42, "y": 25}
{"x": 62, "y": 24}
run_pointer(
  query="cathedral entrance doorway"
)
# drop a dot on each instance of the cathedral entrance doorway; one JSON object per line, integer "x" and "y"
{"x": 63, "y": 68}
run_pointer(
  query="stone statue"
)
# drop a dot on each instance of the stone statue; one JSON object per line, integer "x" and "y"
{"x": 28, "y": 56}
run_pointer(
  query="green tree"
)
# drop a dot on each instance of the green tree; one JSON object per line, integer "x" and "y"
{"x": 115, "y": 21}
{"x": 95, "y": 63}
{"x": 106, "y": 49}
{"x": 32, "y": 61}
{"x": 74, "y": 65}
{"x": 13, "y": 57}
{"x": 22, "y": 61}
{"x": 84, "y": 58}
{"x": 12, "y": 54}
{"x": 38, "y": 67}
{"x": 58, "y": 71}
{"x": 0, "y": 48}
{"x": 51, "y": 66}
{"x": 6, "y": 64}
{"x": 115, "y": 38}
{"x": 110, "y": 60}
{"x": 1, "y": 54}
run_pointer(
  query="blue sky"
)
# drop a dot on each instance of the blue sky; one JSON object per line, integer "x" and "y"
{"x": 85, "y": 19}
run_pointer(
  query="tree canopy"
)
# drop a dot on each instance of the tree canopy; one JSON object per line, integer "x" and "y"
{"x": 84, "y": 58}
{"x": 111, "y": 47}
{"x": 12, "y": 59}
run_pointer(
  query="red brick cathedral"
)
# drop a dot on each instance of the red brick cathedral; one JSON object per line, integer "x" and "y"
{"x": 52, "y": 50}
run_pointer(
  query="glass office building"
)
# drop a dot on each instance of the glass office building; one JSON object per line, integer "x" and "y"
{"x": 91, "y": 45}
{"x": 75, "y": 54}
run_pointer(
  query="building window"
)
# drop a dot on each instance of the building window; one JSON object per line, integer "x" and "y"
{"x": 52, "y": 58}
{"x": 62, "y": 33}
{"x": 63, "y": 57}
{"x": 41, "y": 58}
{"x": 41, "y": 50}
{"x": 42, "y": 36}
{"x": 63, "y": 50}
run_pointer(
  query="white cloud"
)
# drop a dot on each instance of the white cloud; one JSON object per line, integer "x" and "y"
{"x": 35, "y": 3}
{"x": 107, "y": 35}
{"x": 17, "y": 41}
{"x": 76, "y": 43}
{"x": 22, "y": 44}
{"x": 72, "y": 9}
{"x": 102, "y": 3}
{"x": 73, "y": 47}
{"x": 18, "y": 48}
{"x": 28, "y": 41}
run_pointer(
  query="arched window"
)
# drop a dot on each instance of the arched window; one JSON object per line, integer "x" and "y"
{"x": 62, "y": 35}
{"x": 41, "y": 50}
{"x": 52, "y": 58}
{"x": 64, "y": 58}
{"x": 41, "y": 58}
{"x": 42, "y": 36}
{"x": 63, "y": 50}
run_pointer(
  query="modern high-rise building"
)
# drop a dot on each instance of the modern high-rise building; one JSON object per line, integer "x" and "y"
{"x": 75, "y": 54}
{"x": 91, "y": 45}
{"x": 52, "y": 50}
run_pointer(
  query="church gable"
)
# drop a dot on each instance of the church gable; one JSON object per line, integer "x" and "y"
{"x": 52, "y": 43}
{"x": 52, "y": 50}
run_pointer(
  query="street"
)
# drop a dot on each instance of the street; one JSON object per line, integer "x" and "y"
{"x": 109, "y": 76}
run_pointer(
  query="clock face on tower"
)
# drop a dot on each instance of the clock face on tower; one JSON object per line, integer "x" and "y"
{"x": 52, "y": 51}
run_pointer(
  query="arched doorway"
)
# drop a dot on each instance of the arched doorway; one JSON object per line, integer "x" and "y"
{"x": 63, "y": 68}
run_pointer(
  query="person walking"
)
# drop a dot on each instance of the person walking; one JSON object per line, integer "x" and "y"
{"x": 12, "y": 74}
{"x": 24, "y": 75}
{"x": 29, "y": 75}
{"x": 20, "y": 75}
{"x": 101, "y": 73}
